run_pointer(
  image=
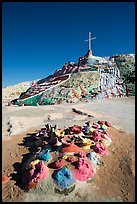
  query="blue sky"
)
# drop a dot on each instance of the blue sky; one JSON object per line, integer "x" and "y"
{"x": 39, "y": 37}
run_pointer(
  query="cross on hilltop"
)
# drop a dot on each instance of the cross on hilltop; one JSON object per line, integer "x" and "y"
{"x": 89, "y": 40}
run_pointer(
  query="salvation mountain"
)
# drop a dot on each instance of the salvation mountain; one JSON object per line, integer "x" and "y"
{"x": 91, "y": 77}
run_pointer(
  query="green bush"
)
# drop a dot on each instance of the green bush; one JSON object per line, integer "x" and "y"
{"x": 127, "y": 73}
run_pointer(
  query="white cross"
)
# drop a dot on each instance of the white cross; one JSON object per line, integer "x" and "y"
{"x": 89, "y": 40}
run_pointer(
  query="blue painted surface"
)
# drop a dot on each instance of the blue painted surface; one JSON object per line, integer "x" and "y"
{"x": 93, "y": 156}
{"x": 63, "y": 178}
{"x": 86, "y": 129}
{"x": 45, "y": 155}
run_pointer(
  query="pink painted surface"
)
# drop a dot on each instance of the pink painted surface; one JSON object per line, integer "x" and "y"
{"x": 99, "y": 148}
{"x": 108, "y": 124}
{"x": 95, "y": 125}
{"x": 76, "y": 129}
{"x": 96, "y": 135}
{"x": 83, "y": 170}
{"x": 80, "y": 154}
{"x": 67, "y": 140}
{"x": 34, "y": 175}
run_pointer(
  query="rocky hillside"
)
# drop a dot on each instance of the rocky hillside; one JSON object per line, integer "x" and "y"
{"x": 126, "y": 65}
{"x": 14, "y": 91}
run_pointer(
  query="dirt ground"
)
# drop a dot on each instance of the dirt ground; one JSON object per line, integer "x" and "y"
{"x": 114, "y": 181}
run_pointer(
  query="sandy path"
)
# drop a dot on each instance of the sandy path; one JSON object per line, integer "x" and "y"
{"x": 119, "y": 110}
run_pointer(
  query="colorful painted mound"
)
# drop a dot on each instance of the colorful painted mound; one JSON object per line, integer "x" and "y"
{"x": 76, "y": 129}
{"x": 83, "y": 170}
{"x": 63, "y": 156}
{"x": 94, "y": 157}
{"x": 100, "y": 149}
{"x": 33, "y": 175}
{"x": 71, "y": 148}
{"x": 45, "y": 155}
{"x": 57, "y": 164}
{"x": 63, "y": 178}
{"x": 67, "y": 140}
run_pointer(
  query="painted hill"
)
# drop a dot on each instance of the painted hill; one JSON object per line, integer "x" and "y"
{"x": 91, "y": 77}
